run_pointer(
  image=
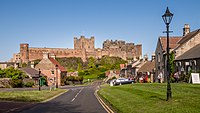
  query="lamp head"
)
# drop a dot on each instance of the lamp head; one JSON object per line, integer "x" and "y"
{"x": 167, "y": 17}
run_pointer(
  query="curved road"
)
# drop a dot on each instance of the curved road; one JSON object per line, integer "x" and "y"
{"x": 76, "y": 100}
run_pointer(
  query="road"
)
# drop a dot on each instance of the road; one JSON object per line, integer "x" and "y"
{"x": 76, "y": 100}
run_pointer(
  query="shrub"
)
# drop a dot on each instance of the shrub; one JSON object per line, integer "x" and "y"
{"x": 29, "y": 84}
{"x": 16, "y": 83}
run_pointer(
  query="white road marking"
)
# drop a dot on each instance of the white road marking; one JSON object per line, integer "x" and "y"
{"x": 76, "y": 95}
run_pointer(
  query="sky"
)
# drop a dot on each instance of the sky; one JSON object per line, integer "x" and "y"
{"x": 55, "y": 23}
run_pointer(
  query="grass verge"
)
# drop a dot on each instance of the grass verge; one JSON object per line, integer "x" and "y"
{"x": 29, "y": 96}
{"x": 151, "y": 98}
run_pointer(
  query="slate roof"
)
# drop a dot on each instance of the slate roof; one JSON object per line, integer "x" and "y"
{"x": 193, "y": 53}
{"x": 61, "y": 68}
{"x": 189, "y": 36}
{"x": 31, "y": 72}
{"x": 147, "y": 67}
{"x": 172, "y": 42}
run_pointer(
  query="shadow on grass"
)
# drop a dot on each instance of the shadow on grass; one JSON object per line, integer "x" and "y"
{"x": 157, "y": 97}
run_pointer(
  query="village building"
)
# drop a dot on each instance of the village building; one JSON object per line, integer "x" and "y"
{"x": 33, "y": 75}
{"x": 187, "y": 56}
{"x": 52, "y": 69}
{"x": 137, "y": 69}
{"x": 161, "y": 55}
{"x": 185, "y": 49}
{"x": 4, "y": 65}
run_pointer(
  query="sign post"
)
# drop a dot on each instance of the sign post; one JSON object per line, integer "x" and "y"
{"x": 195, "y": 78}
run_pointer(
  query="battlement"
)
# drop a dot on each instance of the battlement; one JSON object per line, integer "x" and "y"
{"x": 84, "y": 48}
{"x": 84, "y": 43}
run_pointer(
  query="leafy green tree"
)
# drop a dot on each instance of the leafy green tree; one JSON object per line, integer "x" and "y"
{"x": 79, "y": 67}
{"x": 16, "y": 75}
{"x": 171, "y": 62}
{"x": 91, "y": 62}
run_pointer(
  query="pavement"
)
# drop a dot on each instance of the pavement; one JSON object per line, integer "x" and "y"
{"x": 14, "y": 107}
{"x": 78, "y": 99}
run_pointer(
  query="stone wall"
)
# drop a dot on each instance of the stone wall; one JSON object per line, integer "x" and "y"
{"x": 5, "y": 82}
{"x": 84, "y": 48}
{"x": 37, "y": 53}
{"x": 122, "y": 49}
{"x": 187, "y": 45}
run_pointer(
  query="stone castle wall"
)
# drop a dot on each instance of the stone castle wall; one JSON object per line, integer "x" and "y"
{"x": 37, "y": 53}
{"x": 84, "y": 48}
{"x": 122, "y": 49}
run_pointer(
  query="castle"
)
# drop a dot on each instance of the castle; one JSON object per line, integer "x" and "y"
{"x": 83, "y": 48}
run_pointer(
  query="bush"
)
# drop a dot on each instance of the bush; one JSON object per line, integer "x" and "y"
{"x": 29, "y": 84}
{"x": 102, "y": 75}
{"x": 16, "y": 83}
{"x": 172, "y": 79}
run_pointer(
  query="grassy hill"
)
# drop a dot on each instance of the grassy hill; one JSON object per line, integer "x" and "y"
{"x": 92, "y": 68}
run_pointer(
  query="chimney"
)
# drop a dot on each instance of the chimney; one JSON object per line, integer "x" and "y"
{"x": 145, "y": 57}
{"x": 45, "y": 55}
{"x": 32, "y": 64}
{"x": 186, "y": 29}
{"x": 153, "y": 57}
{"x": 53, "y": 56}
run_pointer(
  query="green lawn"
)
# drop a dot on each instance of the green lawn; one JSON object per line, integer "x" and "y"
{"x": 151, "y": 98}
{"x": 29, "y": 96}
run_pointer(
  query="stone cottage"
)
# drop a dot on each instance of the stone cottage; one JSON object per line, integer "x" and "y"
{"x": 161, "y": 54}
{"x": 187, "y": 55}
{"x": 52, "y": 69}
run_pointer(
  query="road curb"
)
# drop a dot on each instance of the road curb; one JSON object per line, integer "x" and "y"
{"x": 53, "y": 97}
{"x": 103, "y": 104}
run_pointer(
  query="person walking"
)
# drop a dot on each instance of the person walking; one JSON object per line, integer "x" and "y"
{"x": 160, "y": 77}
{"x": 176, "y": 77}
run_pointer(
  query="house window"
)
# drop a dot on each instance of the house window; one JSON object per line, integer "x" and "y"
{"x": 52, "y": 72}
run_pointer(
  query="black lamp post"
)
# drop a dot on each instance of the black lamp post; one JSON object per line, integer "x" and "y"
{"x": 56, "y": 76}
{"x": 167, "y": 17}
{"x": 39, "y": 79}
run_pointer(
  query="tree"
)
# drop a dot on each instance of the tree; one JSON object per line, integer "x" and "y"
{"x": 171, "y": 62}
{"x": 16, "y": 75}
{"x": 91, "y": 62}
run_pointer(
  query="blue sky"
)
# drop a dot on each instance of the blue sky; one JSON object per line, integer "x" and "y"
{"x": 54, "y": 23}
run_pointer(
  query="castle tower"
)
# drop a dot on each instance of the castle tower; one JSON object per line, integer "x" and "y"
{"x": 186, "y": 29}
{"x": 138, "y": 51}
{"x": 84, "y": 43}
{"x": 24, "y": 52}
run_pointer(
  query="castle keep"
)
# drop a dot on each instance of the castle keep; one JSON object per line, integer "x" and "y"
{"x": 84, "y": 48}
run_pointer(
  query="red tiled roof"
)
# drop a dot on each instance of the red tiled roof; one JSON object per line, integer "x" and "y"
{"x": 57, "y": 63}
{"x": 172, "y": 42}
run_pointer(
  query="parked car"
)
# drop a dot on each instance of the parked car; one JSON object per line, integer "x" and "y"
{"x": 123, "y": 81}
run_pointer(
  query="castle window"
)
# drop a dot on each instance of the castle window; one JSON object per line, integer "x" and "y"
{"x": 52, "y": 72}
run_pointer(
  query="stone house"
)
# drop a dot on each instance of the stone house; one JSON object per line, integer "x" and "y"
{"x": 130, "y": 70}
{"x": 4, "y": 65}
{"x": 112, "y": 73}
{"x": 148, "y": 68}
{"x": 186, "y": 49}
{"x": 160, "y": 54}
{"x": 33, "y": 74}
{"x": 189, "y": 61}
{"x": 52, "y": 69}
{"x": 187, "y": 52}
